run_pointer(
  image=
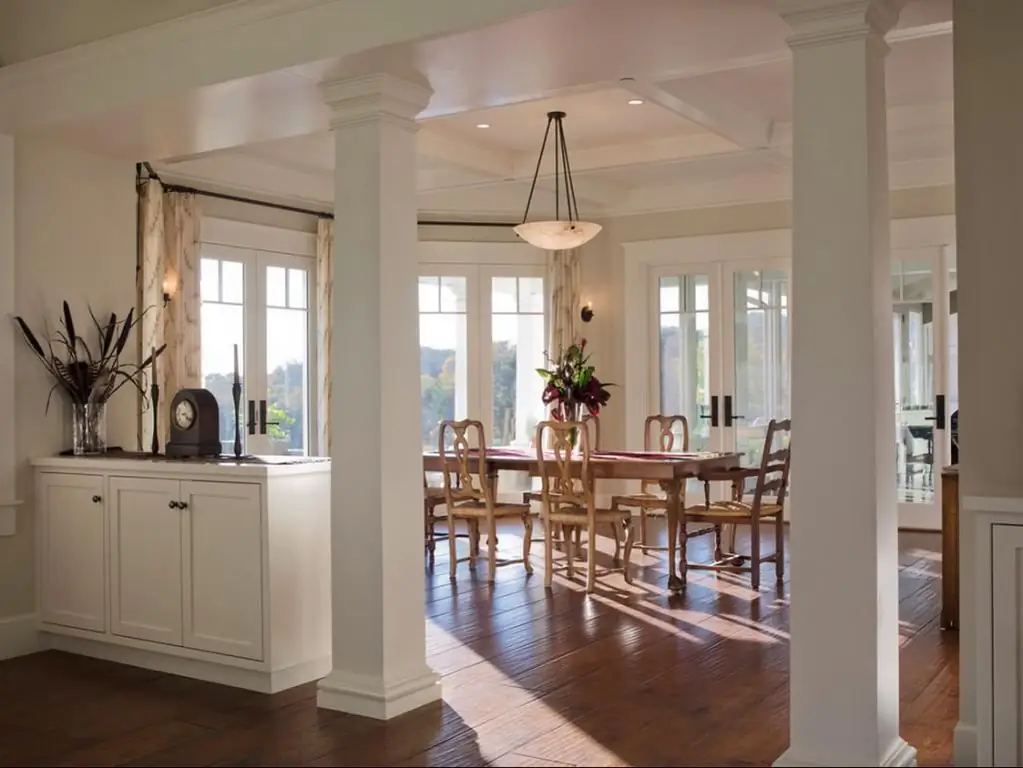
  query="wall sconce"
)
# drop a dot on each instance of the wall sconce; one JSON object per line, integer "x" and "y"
{"x": 170, "y": 285}
{"x": 586, "y": 313}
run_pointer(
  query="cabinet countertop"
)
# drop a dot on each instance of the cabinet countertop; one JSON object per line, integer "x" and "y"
{"x": 254, "y": 469}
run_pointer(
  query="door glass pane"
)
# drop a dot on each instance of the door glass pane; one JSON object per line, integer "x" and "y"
{"x": 223, "y": 327}
{"x": 276, "y": 287}
{"x": 297, "y": 291}
{"x": 761, "y": 357}
{"x": 443, "y": 354}
{"x": 518, "y": 341}
{"x": 684, "y": 323}
{"x": 913, "y": 328}
{"x": 953, "y": 365}
{"x": 287, "y": 370}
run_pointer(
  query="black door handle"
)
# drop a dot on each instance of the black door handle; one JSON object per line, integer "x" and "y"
{"x": 263, "y": 423}
{"x": 939, "y": 412}
{"x": 97, "y": 499}
{"x": 713, "y": 415}
{"x": 251, "y": 423}
{"x": 172, "y": 505}
{"x": 729, "y": 416}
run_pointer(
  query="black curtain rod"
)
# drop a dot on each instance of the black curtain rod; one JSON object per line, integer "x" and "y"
{"x": 307, "y": 211}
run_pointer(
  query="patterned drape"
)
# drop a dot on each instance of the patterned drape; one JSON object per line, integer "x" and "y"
{"x": 170, "y": 263}
{"x": 563, "y": 281}
{"x": 324, "y": 286}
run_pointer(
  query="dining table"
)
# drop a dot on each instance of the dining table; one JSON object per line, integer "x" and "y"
{"x": 669, "y": 470}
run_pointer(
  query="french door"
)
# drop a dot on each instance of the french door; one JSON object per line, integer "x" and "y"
{"x": 924, "y": 326}
{"x": 482, "y": 335}
{"x": 260, "y": 303}
{"x": 722, "y": 357}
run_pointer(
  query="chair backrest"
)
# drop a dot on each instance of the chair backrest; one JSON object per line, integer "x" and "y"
{"x": 465, "y": 478}
{"x": 774, "y": 466}
{"x": 659, "y": 435}
{"x": 559, "y": 484}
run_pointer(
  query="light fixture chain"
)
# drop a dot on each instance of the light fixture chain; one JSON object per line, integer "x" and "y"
{"x": 573, "y": 205}
{"x": 536, "y": 173}
{"x": 557, "y": 187}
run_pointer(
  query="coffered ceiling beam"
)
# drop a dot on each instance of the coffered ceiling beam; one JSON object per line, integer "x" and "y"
{"x": 466, "y": 154}
{"x": 700, "y": 104}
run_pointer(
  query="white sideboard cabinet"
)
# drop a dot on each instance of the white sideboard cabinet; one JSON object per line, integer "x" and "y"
{"x": 218, "y": 571}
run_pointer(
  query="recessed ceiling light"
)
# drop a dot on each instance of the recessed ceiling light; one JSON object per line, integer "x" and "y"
{"x": 482, "y": 125}
{"x": 635, "y": 102}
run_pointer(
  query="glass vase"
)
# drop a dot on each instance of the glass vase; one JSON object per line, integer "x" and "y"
{"x": 89, "y": 428}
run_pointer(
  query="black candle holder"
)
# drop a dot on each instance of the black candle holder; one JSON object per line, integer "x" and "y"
{"x": 236, "y": 393}
{"x": 154, "y": 400}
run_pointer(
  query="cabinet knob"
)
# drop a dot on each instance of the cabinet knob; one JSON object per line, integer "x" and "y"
{"x": 182, "y": 505}
{"x": 97, "y": 499}
{"x": 172, "y": 505}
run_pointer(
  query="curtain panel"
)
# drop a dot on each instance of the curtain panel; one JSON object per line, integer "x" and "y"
{"x": 563, "y": 278}
{"x": 169, "y": 228}
{"x": 324, "y": 287}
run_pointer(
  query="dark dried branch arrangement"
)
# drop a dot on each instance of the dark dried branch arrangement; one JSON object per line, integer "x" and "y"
{"x": 89, "y": 374}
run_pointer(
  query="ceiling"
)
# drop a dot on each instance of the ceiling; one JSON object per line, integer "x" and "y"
{"x": 713, "y": 128}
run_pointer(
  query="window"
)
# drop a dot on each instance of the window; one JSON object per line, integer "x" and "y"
{"x": 482, "y": 335}
{"x": 443, "y": 352}
{"x": 260, "y": 302}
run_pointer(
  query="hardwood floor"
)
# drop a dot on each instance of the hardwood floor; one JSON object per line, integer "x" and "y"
{"x": 531, "y": 677}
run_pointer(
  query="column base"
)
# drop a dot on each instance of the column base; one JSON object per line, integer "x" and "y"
{"x": 371, "y": 697}
{"x": 964, "y": 739}
{"x": 901, "y": 754}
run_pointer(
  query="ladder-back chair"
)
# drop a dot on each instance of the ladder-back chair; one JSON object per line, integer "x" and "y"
{"x": 768, "y": 504}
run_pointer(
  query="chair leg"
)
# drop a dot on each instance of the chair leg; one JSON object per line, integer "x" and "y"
{"x": 591, "y": 557}
{"x": 431, "y": 545}
{"x": 570, "y": 550}
{"x": 492, "y": 547}
{"x": 452, "y": 547}
{"x": 754, "y": 554}
{"x": 618, "y": 542}
{"x": 718, "y": 554}
{"x": 548, "y": 553}
{"x": 474, "y": 542}
{"x": 578, "y": 538}
{"x": 527, "y": 539}
{"x": 630, "y": 532}
{"x": 779, "y": 547}
{"x": 644, "y": 542}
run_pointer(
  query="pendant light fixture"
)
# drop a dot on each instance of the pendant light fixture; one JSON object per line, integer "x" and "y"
{"x": 559, "y": 234}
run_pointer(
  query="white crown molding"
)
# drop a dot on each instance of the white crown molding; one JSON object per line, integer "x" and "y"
{"x": 823, "y": 22}
{"x": 380, "y": 95}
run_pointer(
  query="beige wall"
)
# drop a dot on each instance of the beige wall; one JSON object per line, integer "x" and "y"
{"x": 74, "y": 240}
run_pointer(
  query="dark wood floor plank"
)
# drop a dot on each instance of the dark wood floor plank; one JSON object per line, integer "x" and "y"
{"x": 628, "y": 676}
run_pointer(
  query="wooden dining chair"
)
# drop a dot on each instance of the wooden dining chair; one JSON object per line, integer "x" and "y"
{"x": 768, "y": 504}
{"x": 569, "y": 500}
{"x": 593, "y": 429}
{"x": 434, "y": 498}
{"x": 658, "y": 435}
{"x": 470, "y": 496}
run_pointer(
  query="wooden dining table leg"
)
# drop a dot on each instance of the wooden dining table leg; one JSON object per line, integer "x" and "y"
{"x": 673, "y": 493}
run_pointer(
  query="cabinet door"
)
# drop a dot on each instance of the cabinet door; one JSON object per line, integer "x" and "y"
{"x": 1007, "y": 645}
{"x": 223, "y": 568}
{"x": 72, "y": 550}
{"x": 145, "y": 559}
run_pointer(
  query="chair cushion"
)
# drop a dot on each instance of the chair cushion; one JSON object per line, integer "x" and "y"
{"x": 734, "y": 510}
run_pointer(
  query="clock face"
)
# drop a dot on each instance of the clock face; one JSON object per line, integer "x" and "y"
{"x": 184, "y": 415}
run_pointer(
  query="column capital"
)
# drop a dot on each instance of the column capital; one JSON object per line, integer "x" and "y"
{"x": 373, "y": 97}
{"x": 820, "y": 22}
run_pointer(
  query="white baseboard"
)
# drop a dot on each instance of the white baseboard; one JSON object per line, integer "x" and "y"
{"x": 371, "y": 697}
{"x": 19, "y": 636}
{"x": 237, "y": 677}
{"x": 901, "y": 754}
{"x": 964, "y": 739}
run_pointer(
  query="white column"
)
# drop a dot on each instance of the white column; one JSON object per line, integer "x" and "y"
{"x": 844, "y": 703}
{"x": 379, "y": 622}
{"x": 8, "y": 503}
